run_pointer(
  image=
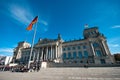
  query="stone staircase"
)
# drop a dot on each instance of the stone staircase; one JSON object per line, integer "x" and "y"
{"x": 80, "y": 73}
{"x": 69, "y": 73}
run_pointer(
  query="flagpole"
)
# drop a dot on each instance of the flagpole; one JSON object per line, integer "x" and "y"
{"x": 32, "y": 45}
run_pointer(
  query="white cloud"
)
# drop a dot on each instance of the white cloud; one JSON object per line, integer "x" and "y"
{"x": 23, "y": 15}
{"x": 44, "y": 22}
{"x": 114, "y": 44}
{"x": 114, "y": 40}
{"x": 116, "y": 26}
{"x": 114, "y": 48}
{"x": 42, "y": 26}
{"x": 20, "y": 14}
{"x": 7, "y": 50}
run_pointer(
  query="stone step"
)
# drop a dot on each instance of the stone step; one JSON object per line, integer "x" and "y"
{"x": 65, "y": 74}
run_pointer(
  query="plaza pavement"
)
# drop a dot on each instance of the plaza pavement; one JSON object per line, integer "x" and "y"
{"x": 98, "y": 73}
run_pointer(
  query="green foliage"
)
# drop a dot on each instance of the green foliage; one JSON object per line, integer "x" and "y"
{"x": 117, "y": 57}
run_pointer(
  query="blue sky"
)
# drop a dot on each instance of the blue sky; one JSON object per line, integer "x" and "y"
{"x": 66, "y": 17}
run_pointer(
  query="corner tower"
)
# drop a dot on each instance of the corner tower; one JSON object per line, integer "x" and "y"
{"x": 91, "y": 33}
{"x": 98, "y": 45}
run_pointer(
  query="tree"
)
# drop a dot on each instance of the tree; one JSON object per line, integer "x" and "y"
{"x": 117, "y": 57}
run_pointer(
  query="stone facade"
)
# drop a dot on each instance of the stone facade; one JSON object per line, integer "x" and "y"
{"x": 93, "y": 49}
{"x": 18, "y": 51}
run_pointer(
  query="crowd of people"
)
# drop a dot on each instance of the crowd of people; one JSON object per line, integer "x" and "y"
{"x": 20, "y": 68}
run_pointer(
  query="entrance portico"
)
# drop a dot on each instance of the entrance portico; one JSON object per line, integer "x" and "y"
{"x": 49, "y": 51}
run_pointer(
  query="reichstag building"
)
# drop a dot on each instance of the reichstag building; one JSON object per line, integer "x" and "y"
{"x": 92, "y": 49}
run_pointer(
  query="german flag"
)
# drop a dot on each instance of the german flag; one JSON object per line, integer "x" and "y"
{"x": 33, "y": 22}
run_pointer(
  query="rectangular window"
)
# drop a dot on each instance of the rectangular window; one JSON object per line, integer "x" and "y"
{"x": 78, "y": 47}
{"x": 73, "y": 48}
{"x": 98, "y": 53}
{"x": 95, "y": 45}
{"x": 74, "y": 55}
{"x": 63, "y": 49}
{"x": 85, "y": 54}
{"x": 69, "y": 55}
{"x": 64, "y": 56}
{"x": 102, "y": 61}
{"x": 68, "y": 48}
{"x": 84, "y": 47}
{"x": 80, "y": 54}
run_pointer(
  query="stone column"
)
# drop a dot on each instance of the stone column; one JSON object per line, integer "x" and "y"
{"x": 93, "y": 49}
{"x": 51, "y": 53}
{"x": 34, "y": 53}
{"x": 104, "y": 48}
{"x": 38, "y": 54}
{"x": 56, "y": 53}
{"x": 47, "y": 53}
{"x": 42, "y": 54}
{"x": 60, "y": 52}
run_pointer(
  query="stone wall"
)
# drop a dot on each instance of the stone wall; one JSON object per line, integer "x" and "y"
{"x": 80, "y": 65}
